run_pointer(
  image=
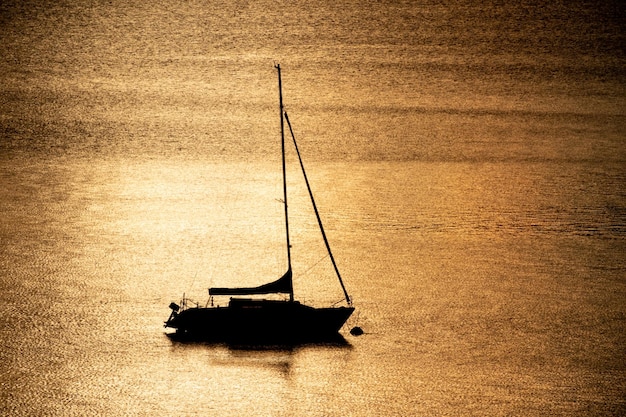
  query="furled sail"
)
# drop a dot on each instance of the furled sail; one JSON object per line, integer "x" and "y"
{"x": 283, "y": 285}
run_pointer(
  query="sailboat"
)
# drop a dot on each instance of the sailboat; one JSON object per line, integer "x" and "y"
{"x": 257, "y": 320}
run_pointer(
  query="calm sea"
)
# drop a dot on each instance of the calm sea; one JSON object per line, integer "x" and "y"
{"x": 469, "y": 163}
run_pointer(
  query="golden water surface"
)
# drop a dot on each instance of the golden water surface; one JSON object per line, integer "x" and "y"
{"x": 467, "y": 160}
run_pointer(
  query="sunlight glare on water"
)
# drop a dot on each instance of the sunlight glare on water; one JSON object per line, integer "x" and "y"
{"x": 467, "y": 160}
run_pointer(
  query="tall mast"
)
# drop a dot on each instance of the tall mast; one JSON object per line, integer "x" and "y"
{"x": 282, "y": 142}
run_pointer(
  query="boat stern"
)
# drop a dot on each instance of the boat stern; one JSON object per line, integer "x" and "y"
{"x": 171, "y": 321}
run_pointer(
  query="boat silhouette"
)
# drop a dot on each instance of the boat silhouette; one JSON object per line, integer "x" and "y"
{"x": 250, "y": 320}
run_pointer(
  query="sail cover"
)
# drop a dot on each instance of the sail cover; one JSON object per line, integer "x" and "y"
{"x": 282, "y": 285}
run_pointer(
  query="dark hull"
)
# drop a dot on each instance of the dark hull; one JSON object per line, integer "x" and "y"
{"x": 260, "y": 322}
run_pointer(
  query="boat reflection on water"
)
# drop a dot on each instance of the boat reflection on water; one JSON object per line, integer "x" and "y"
{"x": 265, "y": 322}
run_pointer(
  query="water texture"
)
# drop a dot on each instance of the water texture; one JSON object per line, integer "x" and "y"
{"x": 468, "y": 161}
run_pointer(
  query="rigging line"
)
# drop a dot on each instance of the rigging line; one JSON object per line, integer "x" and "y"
{"x": 315, "y": 264}
{"x": 319, "y": 219}
{"x": 193, "y": 282}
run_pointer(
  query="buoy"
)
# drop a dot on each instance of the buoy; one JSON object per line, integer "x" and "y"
{"x": 356, "y": 331}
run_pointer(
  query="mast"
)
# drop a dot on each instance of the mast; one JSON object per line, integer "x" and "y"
{"x": 317, "y": 214}
{"x": 282, "y": 142}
